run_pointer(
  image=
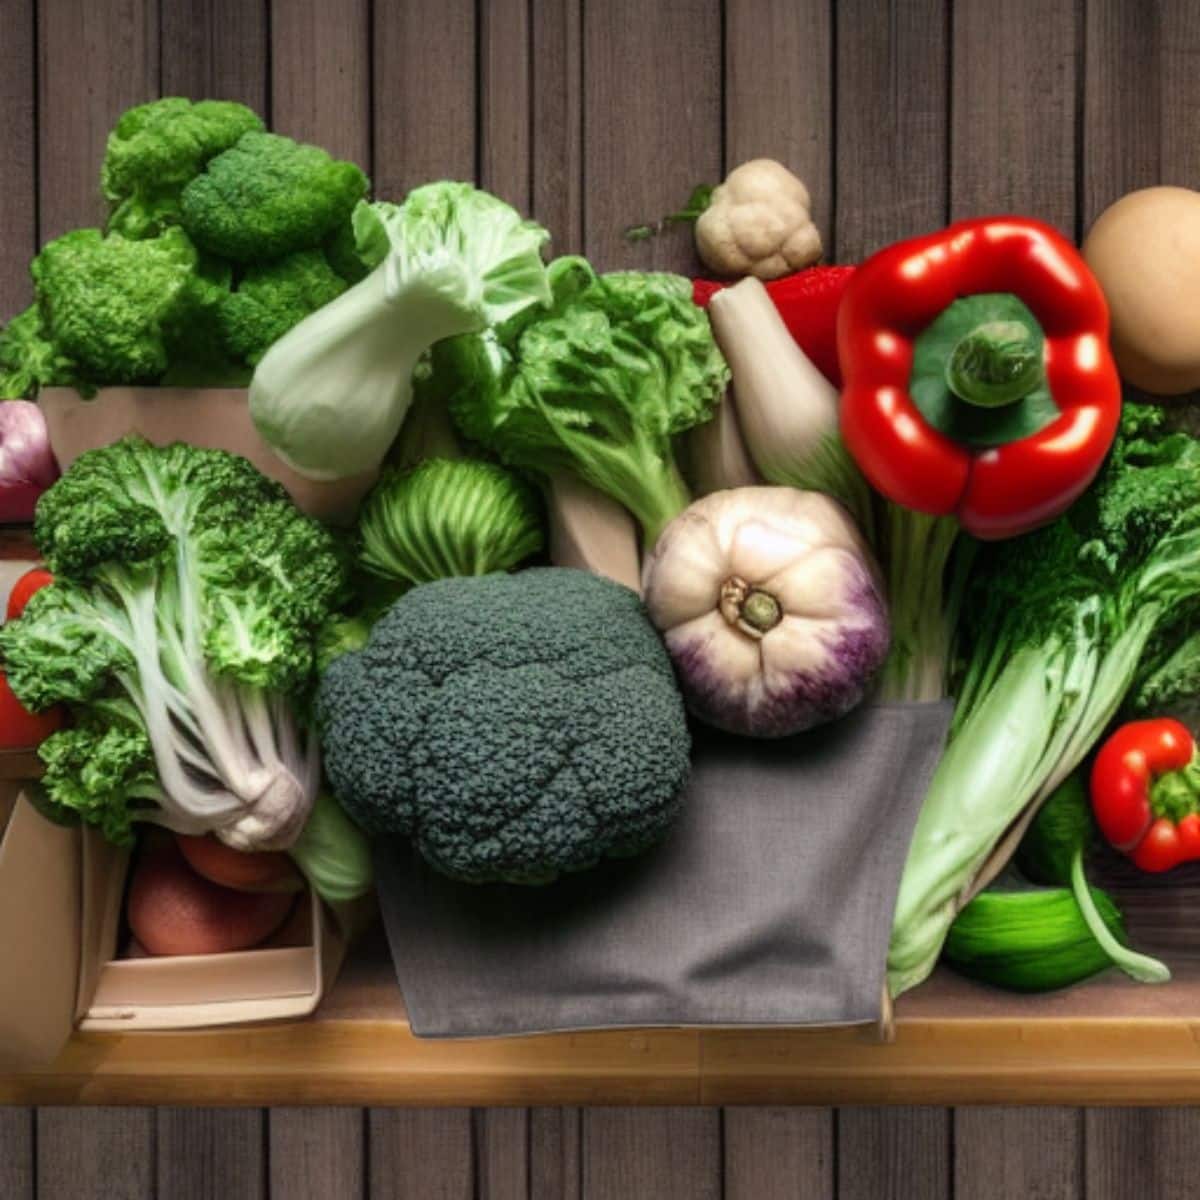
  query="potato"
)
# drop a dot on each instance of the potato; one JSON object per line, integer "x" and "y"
{"x": 172, "y": 910}
{"x": 265, "y": 871}
{"x": 1145, "y": 251}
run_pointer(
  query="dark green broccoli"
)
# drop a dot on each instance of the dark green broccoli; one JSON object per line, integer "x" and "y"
{"x": 271, "y": 298}
{"x": 515, "y": 726}
{"x": 269, "y": 196}
{"x": 107, "y": 303}
{"x": 157, "y": 149}
{"x": 29, "y": 360}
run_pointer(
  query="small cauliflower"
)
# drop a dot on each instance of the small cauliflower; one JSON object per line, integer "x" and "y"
{"x": 759, "y": 223}
{"x": 514, "y": 726}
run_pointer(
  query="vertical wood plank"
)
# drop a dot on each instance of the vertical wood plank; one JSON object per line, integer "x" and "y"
{"x": 210, "y": 1152}
{"x": 778, "y": 1153}
{"x": 1013, "y": 107}
{"x": 555, "y": 1154}
{"x": 95, "y": 59}
{"x": 321, "y": 75}
{"x": 1030, "y": 1152}
{"x": 1141, "y": 92}
{"x": 667, "y": 1153}
{"x": 645, "y": 148}
{"x": 215, "y": 49}
{"x": 95, "y": 1154}
{"x": 1141, "y": 1152}
{"x": 425, "y": 93}
{"x": 893, "y": 1153}
{"x": 504, "y": 101}
{"x": 779, "y": 92}
{"x": 502, "y": 1153}
{"x": 18, "y": 182}
{"x": 891, "y": 122}
{"x": 16, "y": 1153}
{"x": 557, "y": 121}
{"x": 316, "y": 1153}
{"x": 421, "y": 1154}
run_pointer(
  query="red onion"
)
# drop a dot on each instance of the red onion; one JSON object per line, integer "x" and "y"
{"x": 27, "y": 466}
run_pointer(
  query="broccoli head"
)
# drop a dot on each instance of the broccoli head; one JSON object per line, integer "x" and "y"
{"x": 107, "y": 303}
{"x": 268, "y": 196}
{"x": 515, "y": 726}
{"x": 156, "y": 149}
{"x": 29, "y": 361}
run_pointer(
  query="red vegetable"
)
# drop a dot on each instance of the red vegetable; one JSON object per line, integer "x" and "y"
{"x": 978, "y": 378}
{"x": 808, "y": 303}
{"x": 172, "y": 910}
{"x": 1146, "y": 793}
{"x": 258, "y": 871}
{"x": 19, "y": 728}
{"x": 32, "y": 581}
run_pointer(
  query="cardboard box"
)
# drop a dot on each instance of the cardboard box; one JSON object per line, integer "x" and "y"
{"x": 216, "y": 418}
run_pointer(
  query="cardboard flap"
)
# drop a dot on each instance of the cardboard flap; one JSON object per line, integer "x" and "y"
{"x": 39, "y": 931}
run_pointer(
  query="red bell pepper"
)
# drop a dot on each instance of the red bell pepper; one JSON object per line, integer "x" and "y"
{"x": 19, "y": 728}
{"x": 1146, "y": 793}
{"x": 808, "y": 304}
{"x": 32, "y": 581}
{"x": 978, "y": 378}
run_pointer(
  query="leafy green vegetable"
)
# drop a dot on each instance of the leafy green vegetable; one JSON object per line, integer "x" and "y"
{"x": 597, "y": 386}
{"x": 697, "y": 202}
{"x": 1056, "y": 623}
{"x": 446, "y": 518}
{"x": 333, "y": 854}
{"x": 29, "y": 361}
{"x": 269, "y": 196}
{"x": 180, "y": 629}
{"x": 156, "y": 149}
{"x": 331, "y": 395}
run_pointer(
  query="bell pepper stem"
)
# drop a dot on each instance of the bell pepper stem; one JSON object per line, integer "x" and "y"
{"x": 1137, "y": 966}
{"x": 997, "y": 363}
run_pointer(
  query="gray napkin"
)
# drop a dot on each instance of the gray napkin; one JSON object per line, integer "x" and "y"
{"x": 770, "y": 902}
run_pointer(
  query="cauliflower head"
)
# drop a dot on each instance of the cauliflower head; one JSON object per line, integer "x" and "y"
{"x": 514, "y": 726}
{"x": 758, "y": 223}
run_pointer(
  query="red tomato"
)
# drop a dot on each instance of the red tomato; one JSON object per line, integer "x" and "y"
{"x": 19, "y": 728}
{"x": 263, "y": 871}
{"x": 32, "y": 581}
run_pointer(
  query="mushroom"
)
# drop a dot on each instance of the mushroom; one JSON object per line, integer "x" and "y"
{"x": 758, "y": 223}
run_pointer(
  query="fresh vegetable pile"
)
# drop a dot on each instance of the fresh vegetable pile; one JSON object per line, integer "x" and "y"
{"x": 907, "y": 479}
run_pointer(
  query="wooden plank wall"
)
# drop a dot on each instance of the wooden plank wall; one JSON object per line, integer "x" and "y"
{"x": 594, "y": 114}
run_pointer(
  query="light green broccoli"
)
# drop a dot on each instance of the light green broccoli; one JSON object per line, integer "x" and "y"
{"x": 29, "y": 360}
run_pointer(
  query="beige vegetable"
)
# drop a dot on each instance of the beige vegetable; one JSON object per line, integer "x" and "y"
{"x": 759, "y": 223}
{"x": 592, "y": 532}
{"x": 1145, "y": 251}
{"x": 713, "y": 455}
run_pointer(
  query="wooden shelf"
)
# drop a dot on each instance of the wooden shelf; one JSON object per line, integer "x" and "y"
{"x": 1108, "y": 1042}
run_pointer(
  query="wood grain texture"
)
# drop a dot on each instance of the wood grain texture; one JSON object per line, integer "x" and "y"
{"x": 502, "y": 1153}
{"x": 210, "y": 1154}
{"x": 505, "y": 86}
{"x": 778, "y": 1153}
{"x": 891, "y": 122}
{"x": 645, "y": 149}
{"x": 667, "y": 1153}
{"x": 893, "y": 1153}
{"x": 1141, "y": 1152}
{"x": 95, "y": 59}
{"x": 1007, "y": 154}
{"x": 1034, "y": 1153}
{"x": 316, "y": 1153}
{"x": 1141, "y": 91}
{"x": 779, "y": 92}
{"x": 216, "y": 50}
{"x": 555, "y": 1154}
{"x": 321, "y": 75}
{"x": 421, "y": 1154}
{"x": 16, "y": 1154}
{"x": 18, "y": 148}
{"x": 424, "y": 93}
{"x": 95, "y": 1154}
{"x": 557, "y": 121}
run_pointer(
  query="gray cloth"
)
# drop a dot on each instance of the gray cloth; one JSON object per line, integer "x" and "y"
{"x": 770, "y": 902}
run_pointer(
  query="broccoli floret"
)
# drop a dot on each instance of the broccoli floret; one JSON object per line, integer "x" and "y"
{"x": 515, "y": 726}
{"x": 341, "y": 249}
{"x": 156, "y": 149}
{"x": 29, "y": 361}
{"x": 107, "y": 303}
{"x": 269, "y": 196}
{"x": 270, "y": 299}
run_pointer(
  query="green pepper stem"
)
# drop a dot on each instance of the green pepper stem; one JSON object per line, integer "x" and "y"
{"x": 1176, "y": 794}
{"x": 996, "y": 364}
